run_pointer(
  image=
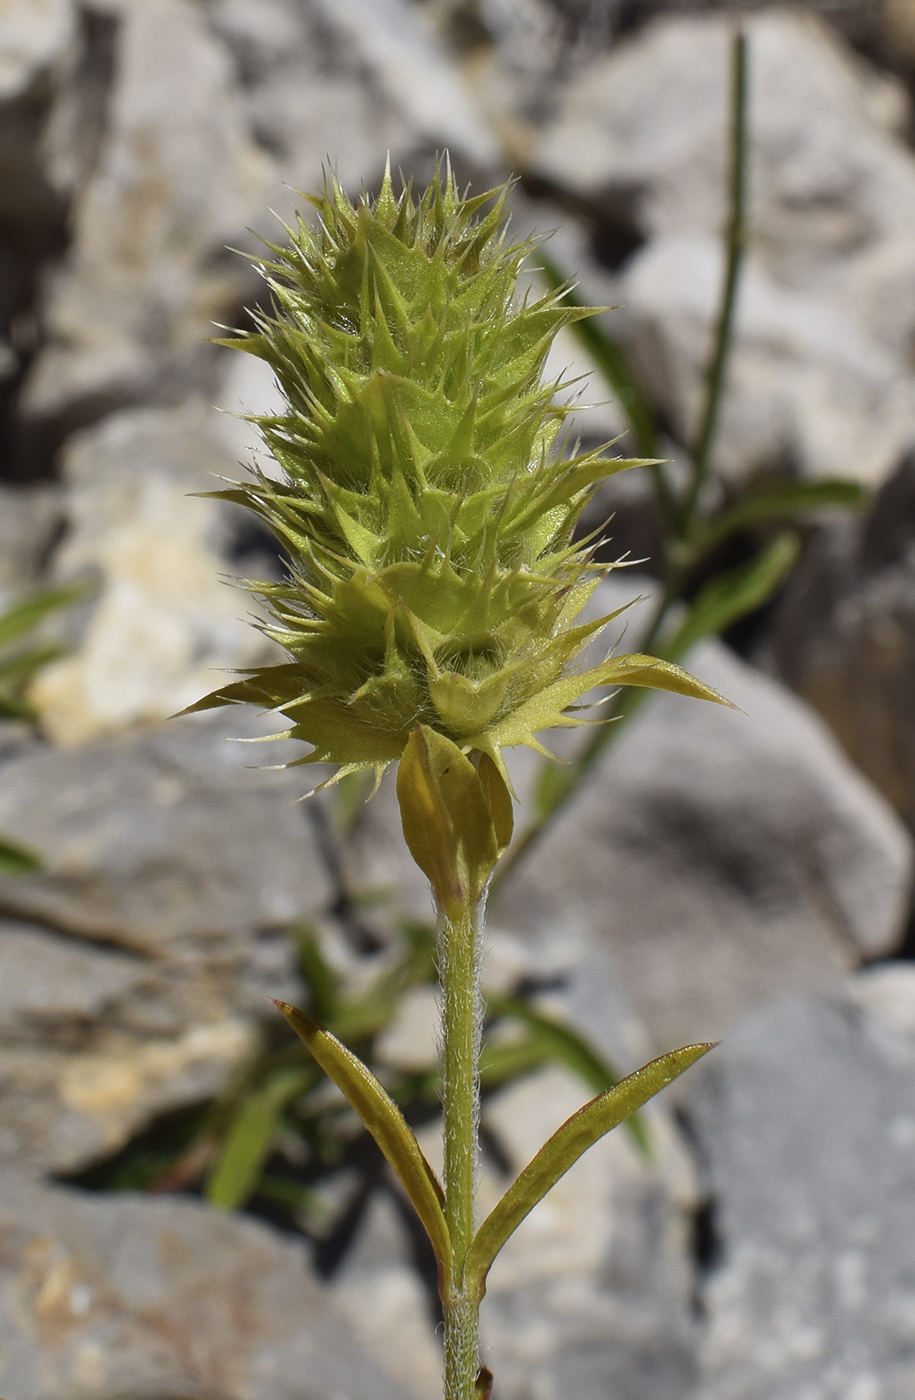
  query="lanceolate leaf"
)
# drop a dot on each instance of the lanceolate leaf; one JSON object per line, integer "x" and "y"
{"x": 547, "y": 709}
{"x": 20, "y": 617}
{"x": 237, "y": 1170}
{"x": 17, "y": 860}
{"x": 563, "y": 1150}
{"x": 728, "y": 597}
{"x": 383, "y": 1119}
{"x": 786, "y": 500}
{"x": 652, "y": 673}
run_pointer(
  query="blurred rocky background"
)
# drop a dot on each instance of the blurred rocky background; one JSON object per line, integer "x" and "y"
{"x": 744, "y": 875}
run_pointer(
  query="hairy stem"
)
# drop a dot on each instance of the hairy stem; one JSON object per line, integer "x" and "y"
{"x": 460, "y": 942}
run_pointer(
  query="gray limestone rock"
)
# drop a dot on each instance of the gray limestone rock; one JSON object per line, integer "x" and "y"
{"x": 820, "y": 375}
{"x": 120, "y": 1298}
{"x": 175, "y": 836}
{"x": 176, "y": 178}
{"x": 155, "y": 931}
{"x": 844, "y": 637}
{"x": 160, "y": 624}
{"x": 720, "y": 856}
{"x": 806, "y": 1120}
{"x": 30, "y": 520}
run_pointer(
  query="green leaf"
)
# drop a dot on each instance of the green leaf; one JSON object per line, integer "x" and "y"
{"x": 547, "y": 709}
{"x": 17, "y": 860}
{"x": 653, "y": 673}
{"x": 503, "y": 1061}
{"x": 236, "y": 1172}
{"x": 446, "y": 819}
{"x": 384, "y": 1121}
{"x": 323, "y": 981}
{"x": 22, "y": 616}
{"x": 563, "y": 1150}
{"x": 564, "y": 1046}
{"x": 785, "y": 500}
{"x": 730, "y": 596}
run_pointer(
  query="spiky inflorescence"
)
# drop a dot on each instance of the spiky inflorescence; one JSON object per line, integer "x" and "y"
{"x": 428, "y": 524}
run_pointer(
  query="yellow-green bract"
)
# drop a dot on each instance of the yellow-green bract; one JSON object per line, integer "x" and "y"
{"x": 425, "y": 513}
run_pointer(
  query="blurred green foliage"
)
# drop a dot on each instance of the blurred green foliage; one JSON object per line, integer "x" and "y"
{"x": 23, "y": 653}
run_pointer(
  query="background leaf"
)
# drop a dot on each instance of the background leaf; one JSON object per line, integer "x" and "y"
{"x": 785, "y": 500}
{"x": 236, "y": 1172}
{"x": 730, "y": 596}
{"x": 17, "y": 860}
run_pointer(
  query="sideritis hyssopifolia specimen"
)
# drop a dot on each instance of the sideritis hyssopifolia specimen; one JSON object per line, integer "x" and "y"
{"x": 431, "y": 614}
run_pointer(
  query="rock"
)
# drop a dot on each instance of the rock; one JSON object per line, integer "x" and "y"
{"x": 38, "y": 46}
{"x": 176, "y": 179}
{"x": 805, "y": 1118}
{"x": 34, "y": 37}
{"x": 400, "y": 50}
{"x": 308, "y": 95}
{"x": 163, "y": 620}
{"x": 47, "y": 981}
{"x": 844, "y": 637}
{"x": 105, "y": 1296}
{"x": 154, "y": 933}
{"x": 30, "y": 521}
{"x": 720, "y": 857}
{"x": 341, "y": 85}
{"x": 175, "y": 836}
{"x": 819, "y": 377}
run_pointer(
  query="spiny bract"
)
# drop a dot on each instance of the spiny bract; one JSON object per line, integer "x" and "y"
{"x": 426, "y": 518}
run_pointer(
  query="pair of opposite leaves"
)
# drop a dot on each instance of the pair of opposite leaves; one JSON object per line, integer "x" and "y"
{"x": 457, "y": 818}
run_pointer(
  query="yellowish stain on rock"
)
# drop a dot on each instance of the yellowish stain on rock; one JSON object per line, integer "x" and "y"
{"x": 104, "y": 1086}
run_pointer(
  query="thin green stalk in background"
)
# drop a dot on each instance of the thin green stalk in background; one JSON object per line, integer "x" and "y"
{"x": 693, "y": 522}
{"x": 735, "y": 243}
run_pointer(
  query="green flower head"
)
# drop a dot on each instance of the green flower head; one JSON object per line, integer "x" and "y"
{"x": 425, "y": 512}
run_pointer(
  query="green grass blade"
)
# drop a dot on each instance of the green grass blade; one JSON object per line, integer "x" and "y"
{"x": 20, "y": 617}
{"x": 236, "y": 1172}
{"x": 501, "y": 1063}
{"x": 17, "y": 860}
{"x": 730, "y": 596}
{"x": 564, "y": 1046}
{"x": 323, "y": 981}
{"x": 384, "y": 1121}
{"x": 784, "y": 501}
{"x": 563, "y": 1150}
{"x": 735, "y": 247}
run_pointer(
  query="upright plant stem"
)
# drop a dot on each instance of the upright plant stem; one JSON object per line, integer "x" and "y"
{"x": 735, "y": 238}
{"x": 461, "y": 933}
